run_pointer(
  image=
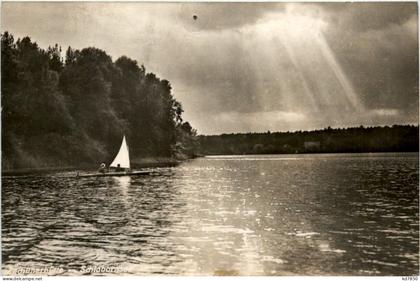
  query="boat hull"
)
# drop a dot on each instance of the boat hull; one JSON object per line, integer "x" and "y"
{"x": 114, "y": 174}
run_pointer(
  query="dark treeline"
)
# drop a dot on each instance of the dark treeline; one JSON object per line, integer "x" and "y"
{"x": 74, "y": 110}
{"x": 360, "y": 139}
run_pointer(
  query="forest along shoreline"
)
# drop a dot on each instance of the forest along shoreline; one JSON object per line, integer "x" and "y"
{"x": 68, "y": 110}
{"x": 396, "y": 138}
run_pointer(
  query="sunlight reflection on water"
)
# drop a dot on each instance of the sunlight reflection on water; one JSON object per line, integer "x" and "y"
{"x": 269, "y": 215}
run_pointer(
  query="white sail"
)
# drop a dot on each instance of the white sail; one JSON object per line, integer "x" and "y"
{"x": 122, "y": 158}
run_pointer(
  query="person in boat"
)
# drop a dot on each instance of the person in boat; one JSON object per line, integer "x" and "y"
{"x": 119, "y": 169}
{"x": 102, "y": 168}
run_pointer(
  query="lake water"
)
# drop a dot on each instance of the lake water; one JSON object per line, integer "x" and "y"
{"x": 329, "y": 214}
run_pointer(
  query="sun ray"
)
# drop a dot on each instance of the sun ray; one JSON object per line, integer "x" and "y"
{"x": 340, "y": 75}
{"x": 316, "y": 82}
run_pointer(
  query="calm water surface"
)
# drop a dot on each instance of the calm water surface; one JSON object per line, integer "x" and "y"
{"x": 336, "y": 214}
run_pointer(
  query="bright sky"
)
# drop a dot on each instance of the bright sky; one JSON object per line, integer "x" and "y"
{"x": 242, "y": 67}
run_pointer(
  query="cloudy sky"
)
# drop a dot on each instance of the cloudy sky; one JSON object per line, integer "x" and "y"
{"x": 242, "y": 67}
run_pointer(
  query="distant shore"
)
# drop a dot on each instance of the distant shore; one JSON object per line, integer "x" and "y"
{"x": 396, "y": 138}
{"x": 315, "y": 153}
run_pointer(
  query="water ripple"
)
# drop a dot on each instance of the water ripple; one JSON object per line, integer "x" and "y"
{"x": 253, "y": 215}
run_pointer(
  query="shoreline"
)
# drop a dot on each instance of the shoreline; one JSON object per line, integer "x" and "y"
{"x": 150, "y": 162}
{"x": 312, "y": 153}
{"x": 159, "y": 162}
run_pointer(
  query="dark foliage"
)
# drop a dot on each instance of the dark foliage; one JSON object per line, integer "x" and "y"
{"x": 360, "y": 139}
{"x": 74, "y": 110}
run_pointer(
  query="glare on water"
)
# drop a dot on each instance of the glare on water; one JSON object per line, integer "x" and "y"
{"x": 238, "y": 215}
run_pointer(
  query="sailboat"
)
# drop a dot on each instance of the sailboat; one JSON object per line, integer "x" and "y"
{"x": 122, "y": 160}
{"x": 120, "y": 166}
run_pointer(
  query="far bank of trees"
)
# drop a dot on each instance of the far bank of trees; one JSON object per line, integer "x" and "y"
{"x": 360, "y": 139}
{"x": 73, "y": 109}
